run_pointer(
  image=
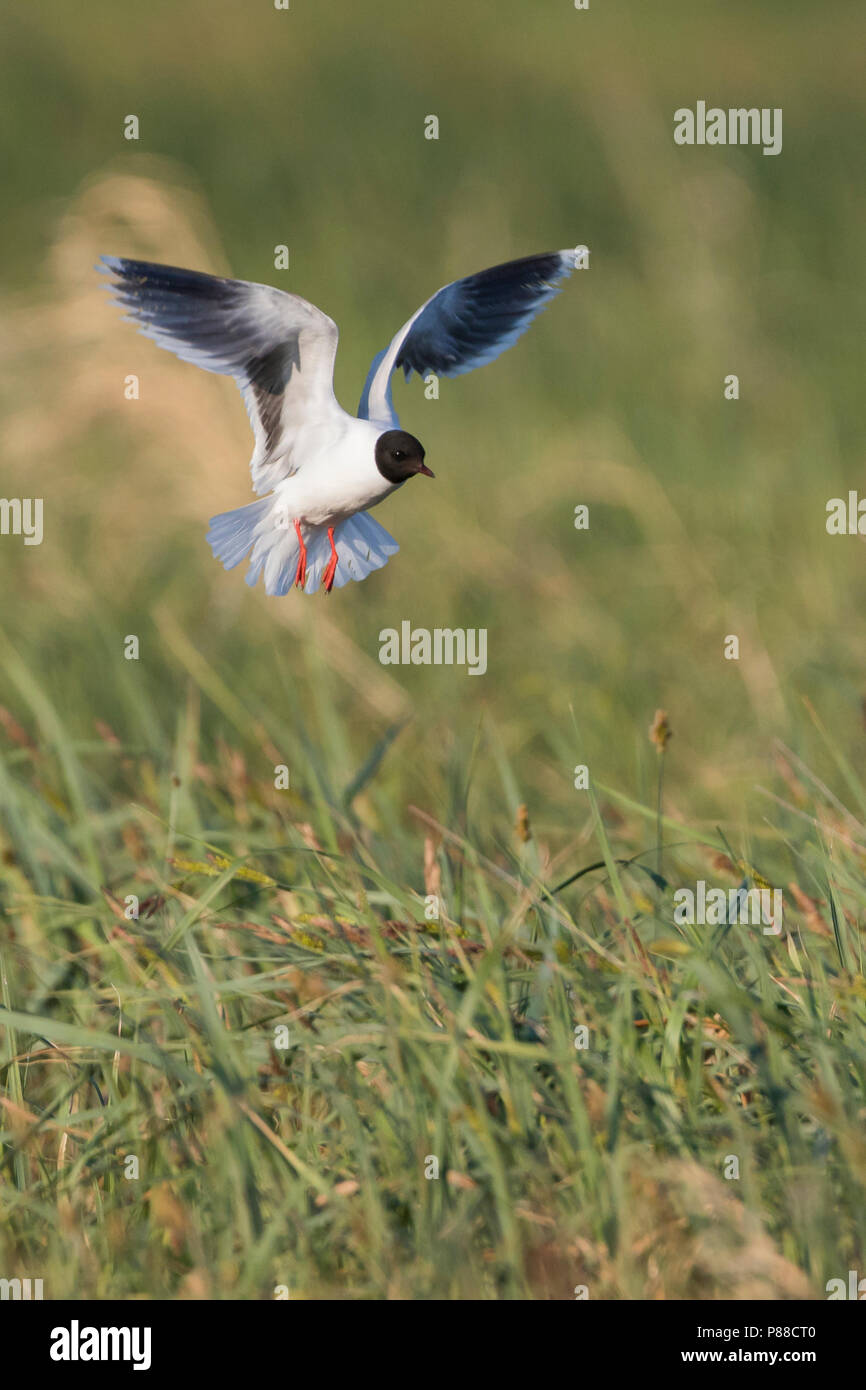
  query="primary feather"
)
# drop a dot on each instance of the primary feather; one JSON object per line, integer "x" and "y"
{"x": 279, "y": 348}
{"x": 466, "y": 324}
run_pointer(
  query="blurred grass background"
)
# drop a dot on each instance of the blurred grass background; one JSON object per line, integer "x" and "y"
{"x": 305, "y": 127}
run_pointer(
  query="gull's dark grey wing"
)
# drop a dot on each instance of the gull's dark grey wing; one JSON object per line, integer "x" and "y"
{"x": 279, "y": 348}
{"x": 465, "y": 324}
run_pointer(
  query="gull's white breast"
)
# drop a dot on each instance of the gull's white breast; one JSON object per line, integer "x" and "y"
{"x": 336, "y": 473}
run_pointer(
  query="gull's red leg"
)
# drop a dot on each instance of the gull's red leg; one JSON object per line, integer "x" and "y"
{"x": 328, "y": 576}
{"x": 301, "y": 571}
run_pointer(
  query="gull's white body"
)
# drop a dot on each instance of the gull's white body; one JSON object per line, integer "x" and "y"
{"x": 335, "y": 483}
{"x": 318, "y": 463}
{"x": 336, "y": 472}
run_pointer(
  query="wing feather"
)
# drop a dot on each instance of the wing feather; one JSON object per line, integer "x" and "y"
{"x": 466, "y": 324}
{"x": 279, "y": 348}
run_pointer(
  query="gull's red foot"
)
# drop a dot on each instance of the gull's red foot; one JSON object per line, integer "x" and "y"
{"x": 328, "y": 576}
{"x": 301, "y": 571}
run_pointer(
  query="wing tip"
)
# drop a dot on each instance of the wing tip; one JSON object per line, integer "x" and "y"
{"x": 109, "y": 265}
{"x": 570, "y": 258}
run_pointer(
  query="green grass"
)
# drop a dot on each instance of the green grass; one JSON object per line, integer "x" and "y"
{"x": 304, "y": 1167}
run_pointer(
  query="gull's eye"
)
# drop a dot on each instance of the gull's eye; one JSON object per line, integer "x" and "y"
{"x": 398, "y": 455}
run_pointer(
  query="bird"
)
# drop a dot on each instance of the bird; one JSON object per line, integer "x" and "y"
{"x": 316, "y": 469}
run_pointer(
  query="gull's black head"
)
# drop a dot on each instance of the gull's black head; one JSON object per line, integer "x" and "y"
{"x": 399, "y": 455}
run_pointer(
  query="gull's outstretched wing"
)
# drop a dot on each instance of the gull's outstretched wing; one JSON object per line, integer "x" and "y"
{"x": 464, "y": 325}
{"x": 279, "y": 349}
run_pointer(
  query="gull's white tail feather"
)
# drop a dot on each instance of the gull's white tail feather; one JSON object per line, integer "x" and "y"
{"x": 232, "y": 533}
{"x": 362, "y": 546}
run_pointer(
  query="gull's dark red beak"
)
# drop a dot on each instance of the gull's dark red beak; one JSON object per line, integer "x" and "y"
{"x": 428, "y": 472}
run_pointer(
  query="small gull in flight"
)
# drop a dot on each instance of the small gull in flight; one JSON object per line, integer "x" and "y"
{"x": 323, "y": 468}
